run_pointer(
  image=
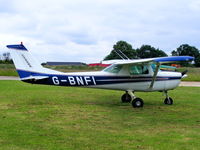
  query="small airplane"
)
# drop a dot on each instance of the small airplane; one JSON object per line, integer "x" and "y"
{"x": 142, "y": 75}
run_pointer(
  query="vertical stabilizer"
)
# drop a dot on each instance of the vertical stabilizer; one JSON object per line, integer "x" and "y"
{"x": 26, "y": 65}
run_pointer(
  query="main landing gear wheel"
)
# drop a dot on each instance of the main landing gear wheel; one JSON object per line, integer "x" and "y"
{"x": 130, "y": 97}
{"x": 137, "y": 102}
{"x": 168, "y": 101}
{"x": 126, "y": 98}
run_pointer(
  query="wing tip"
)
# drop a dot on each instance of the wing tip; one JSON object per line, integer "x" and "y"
{"x": 174, "y": 58}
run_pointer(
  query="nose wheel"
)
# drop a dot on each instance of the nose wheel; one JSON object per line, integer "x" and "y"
{"x": 168, "y": 100}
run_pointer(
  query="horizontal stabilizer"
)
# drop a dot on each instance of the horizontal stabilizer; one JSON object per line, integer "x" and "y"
{"x": 35, "y": 78}
{"x": 17, "y": 47}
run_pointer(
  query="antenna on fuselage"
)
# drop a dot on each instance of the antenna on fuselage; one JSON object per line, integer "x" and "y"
{"x": 121, "y": 54}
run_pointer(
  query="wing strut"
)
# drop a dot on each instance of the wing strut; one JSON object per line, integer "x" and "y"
{"x": 155, "y": 75}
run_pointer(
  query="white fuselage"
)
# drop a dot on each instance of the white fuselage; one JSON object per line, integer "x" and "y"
{"x": 123, "y": 80}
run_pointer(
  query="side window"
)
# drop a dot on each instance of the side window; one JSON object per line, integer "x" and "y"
{"x": 113, "y": 69}
{"x": 153, "y": 67}
{"x": 138, "y": 69}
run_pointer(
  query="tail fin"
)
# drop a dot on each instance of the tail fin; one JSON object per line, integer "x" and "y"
{"x": 25, "y": 64}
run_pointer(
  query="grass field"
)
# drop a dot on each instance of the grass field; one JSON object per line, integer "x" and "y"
{"x": 7, "y": 70}
{"x": 46, "y": 117}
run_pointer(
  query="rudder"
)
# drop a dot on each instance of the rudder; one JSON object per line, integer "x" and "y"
{"x": 25, "y": 64}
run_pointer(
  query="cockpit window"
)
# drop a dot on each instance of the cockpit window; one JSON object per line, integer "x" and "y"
{"x": 139, "y": 69}
{"x": 113, "y": 69}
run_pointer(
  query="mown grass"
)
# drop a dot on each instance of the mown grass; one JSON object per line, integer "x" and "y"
{"x": 7, "y": 70}
{"x": 47, "y": 117}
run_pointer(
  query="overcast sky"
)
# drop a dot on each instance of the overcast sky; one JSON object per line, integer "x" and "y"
{"x": 85, "y": 30}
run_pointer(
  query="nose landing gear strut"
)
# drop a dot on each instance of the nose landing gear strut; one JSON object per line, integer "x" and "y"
{"x": 168, "y": 100}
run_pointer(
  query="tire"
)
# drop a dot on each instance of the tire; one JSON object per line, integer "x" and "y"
{"x": 126, "y": 98}
{"x": 137, "y": 102}
{"x": 168, "y": 101}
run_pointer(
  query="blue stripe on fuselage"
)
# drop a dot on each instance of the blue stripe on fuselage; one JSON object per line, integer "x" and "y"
{"x": 24, "y": 74}
{"x": 86, "y": 80}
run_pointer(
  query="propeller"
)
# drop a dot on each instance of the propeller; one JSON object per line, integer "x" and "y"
{"x": 184, "y": 73}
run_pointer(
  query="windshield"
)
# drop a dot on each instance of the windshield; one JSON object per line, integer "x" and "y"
{"x": 113, "y": 69}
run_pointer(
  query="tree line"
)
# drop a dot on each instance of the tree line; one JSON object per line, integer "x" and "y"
{"x": 148, "y": 51}
{"x": 145, "y": 51}
{"x": 5, "y": 58}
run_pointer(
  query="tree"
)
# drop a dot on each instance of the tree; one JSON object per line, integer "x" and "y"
{"x": 187, "y": 50}
{"x": 5, "y": 58}
{"x": 174, "y": 53}
{"x": 147, "y": 51}
{"x": 124, "y": 47}
{"x": 197, "y": 61}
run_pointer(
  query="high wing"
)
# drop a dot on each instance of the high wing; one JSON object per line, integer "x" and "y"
{"x": 158, "y": 61}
